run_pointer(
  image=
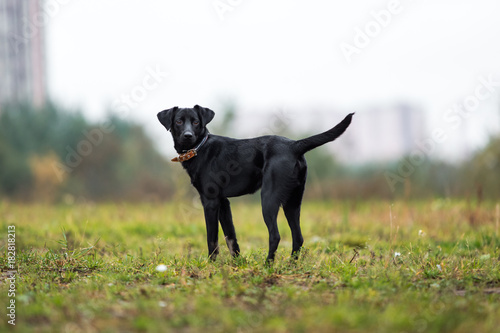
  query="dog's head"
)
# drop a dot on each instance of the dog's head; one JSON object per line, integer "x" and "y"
{"x": 187, "y": 125}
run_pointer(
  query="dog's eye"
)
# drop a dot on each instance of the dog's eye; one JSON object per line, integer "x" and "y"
{"x": 178, "y": 122}
{"x": 196, "y": 122}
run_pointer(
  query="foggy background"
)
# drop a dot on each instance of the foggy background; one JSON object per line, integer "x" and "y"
{"x": 423, "y": 78}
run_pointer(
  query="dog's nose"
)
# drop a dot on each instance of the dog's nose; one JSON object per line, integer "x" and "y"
{"x": 188, "y": 135}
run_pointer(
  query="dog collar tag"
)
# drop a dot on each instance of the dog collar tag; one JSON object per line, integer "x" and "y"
{"x": 186, "y": 156}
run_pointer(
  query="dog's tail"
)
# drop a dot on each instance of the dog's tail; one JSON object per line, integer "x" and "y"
{"x": 304, "y": 145}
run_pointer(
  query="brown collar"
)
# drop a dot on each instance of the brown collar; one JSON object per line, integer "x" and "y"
{"x": 190, "y": 153}
{"x": 186, "y": 156}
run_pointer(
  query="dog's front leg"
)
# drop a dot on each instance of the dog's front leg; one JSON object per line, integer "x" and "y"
{"x": 211, "y": 210}
{"x": 226, "y": 221}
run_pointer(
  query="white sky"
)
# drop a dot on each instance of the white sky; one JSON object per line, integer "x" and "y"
{"x": 266, "y": 54}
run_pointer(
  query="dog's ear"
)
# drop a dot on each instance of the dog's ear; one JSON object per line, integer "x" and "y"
{"x": 166, "y": 116}
{"x": 205, "y": 114}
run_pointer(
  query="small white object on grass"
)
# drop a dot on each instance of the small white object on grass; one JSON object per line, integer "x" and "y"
{"x": 161, "y": 268}
{"x": 397, "y": 254}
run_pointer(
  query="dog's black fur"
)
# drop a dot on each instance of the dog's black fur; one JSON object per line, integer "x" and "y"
{"x": 226, "y": 167}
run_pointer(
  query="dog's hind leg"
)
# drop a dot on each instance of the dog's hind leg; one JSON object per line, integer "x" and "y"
{"x": 293, "y": 201}
{"x": 226, "y": 221}
{"x": 292, "y": 213}
{"x": 270, "y": 208}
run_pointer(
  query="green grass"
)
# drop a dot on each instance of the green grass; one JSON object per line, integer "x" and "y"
{"x": 92, "y": 268}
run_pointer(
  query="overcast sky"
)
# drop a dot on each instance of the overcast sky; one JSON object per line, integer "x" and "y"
{"x": 145, "y": 56}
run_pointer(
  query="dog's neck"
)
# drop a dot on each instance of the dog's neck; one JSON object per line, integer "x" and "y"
{"x": 189, "y": 154}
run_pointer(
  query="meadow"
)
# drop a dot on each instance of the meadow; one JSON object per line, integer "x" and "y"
{"x": 366, "y": 266}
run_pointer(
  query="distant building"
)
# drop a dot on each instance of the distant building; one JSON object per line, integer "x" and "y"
{"x": 22, "y": 52}
{"x": 382, "y": 134}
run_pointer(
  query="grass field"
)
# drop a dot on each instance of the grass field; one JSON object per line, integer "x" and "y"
{"x": 428, "y": 266}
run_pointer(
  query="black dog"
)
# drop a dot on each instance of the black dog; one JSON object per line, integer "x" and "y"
{"x": 222, "y": 167}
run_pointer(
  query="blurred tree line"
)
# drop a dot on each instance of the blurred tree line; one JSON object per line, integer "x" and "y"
{"x": 53, "y": 155}
{"x": 49, "y": 155}
{"x": 476, "y": 178}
